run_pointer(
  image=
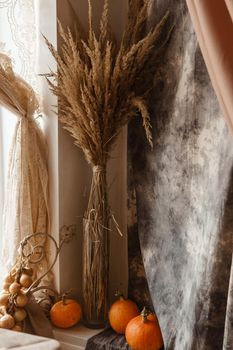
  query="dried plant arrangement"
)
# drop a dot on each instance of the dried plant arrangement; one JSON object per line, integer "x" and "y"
{"x": 100, "y": 87}
{"x": 18, "y": 303}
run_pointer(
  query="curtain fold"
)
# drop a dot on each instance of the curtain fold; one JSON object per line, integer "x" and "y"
{"x": 213, "y": 23}
{"x": 26, "y": 209}
{"x": 229, "y": 5}
{"x": 228, "y": 331}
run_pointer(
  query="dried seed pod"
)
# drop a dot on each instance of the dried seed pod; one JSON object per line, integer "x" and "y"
{"x": 25, "y": 280}
{"x": 17, "y": 327}
{"x": 16, "y": 273}
{"x": 28, "y": 271}
{"x": 19, "y": 315}
{"x": 14, "y": 287}
{"x": 21, "y": 300}
{"x": 7, "y": 321}
{"x": 3, "y": 309}
{"x": 13, "y": 271}
{"x": 6, "y": 286}
{"x": 4, "y": 298}
{"x": 8, "y": 279}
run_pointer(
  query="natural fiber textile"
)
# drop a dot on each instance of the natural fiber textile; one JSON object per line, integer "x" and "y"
{"x": 213, "y": 23}
{"x": 184, "y": 197}
{"x": 26, "y": 196}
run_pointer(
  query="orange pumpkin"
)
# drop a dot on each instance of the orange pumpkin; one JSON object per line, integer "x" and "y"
{"x": 65, "y": 313}
{"x": 121, "y": 312}
{"x": 152, "y": 317}
{"x": 143, "y": 332}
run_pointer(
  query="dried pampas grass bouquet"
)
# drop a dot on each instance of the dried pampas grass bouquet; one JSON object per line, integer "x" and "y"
{"x": 100, "y": 87}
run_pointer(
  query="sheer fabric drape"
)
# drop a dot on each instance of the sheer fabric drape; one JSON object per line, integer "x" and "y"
{"x": 213, "y": 23}
{"x": 26, "y": 208}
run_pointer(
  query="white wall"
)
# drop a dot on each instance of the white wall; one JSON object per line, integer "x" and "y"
{"x": 48, "y": 9}
{"x": 75, "y": 176}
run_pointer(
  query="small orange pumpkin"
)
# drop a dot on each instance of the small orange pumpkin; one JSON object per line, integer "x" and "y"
{"x": 143, "y": 332}
{"x": 152, "y": 317}
{"x": 121, "y": 312}
{"x": 65, "y": 313}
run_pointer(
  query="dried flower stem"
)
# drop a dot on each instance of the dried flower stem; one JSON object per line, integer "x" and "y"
{"x": 100, "y": 87}
{"x": 96, "y": 248}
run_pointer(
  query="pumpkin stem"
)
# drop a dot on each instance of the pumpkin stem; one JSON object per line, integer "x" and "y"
{"x": 119, "y": 295}
{"x": 63, "y": 298}
{"x": 144, "y": 315}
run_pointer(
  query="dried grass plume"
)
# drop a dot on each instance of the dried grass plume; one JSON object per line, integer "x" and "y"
{"x": 100, "y": 87}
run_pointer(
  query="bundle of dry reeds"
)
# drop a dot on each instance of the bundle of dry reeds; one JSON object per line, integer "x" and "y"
{"x": 101, "y": 86}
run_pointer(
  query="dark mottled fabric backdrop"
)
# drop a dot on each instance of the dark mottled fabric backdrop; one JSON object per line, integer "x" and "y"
{"x": 183, "y": 192}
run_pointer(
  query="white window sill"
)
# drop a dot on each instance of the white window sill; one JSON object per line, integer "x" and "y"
{"x": 74, "y": 338}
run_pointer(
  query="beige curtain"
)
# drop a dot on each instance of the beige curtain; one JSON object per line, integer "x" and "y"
{"x": 213, "y": 23}
{"x": 26, "y": 197}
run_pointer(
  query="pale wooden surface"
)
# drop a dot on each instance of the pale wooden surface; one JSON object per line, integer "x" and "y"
{"x": 74, "y": 338}
{"x": 23, "y": 341}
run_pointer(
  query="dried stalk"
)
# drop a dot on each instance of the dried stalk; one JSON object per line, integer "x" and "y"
{"x": 100, "y": 88}
{"x": 96, "y": 248}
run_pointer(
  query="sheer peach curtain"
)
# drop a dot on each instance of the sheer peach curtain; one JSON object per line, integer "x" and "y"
{"x": 213, "y": 23}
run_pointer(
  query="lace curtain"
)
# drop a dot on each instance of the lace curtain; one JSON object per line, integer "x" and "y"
{"x": 26, "y": 191}
{"x": 18, "y": 30}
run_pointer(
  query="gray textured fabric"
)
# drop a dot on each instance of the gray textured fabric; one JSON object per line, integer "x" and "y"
{"x": 137, "y": 283}
{"x": 184, "y": 193}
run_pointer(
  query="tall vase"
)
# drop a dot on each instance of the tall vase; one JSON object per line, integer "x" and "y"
{"x": 96, "y": 252}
